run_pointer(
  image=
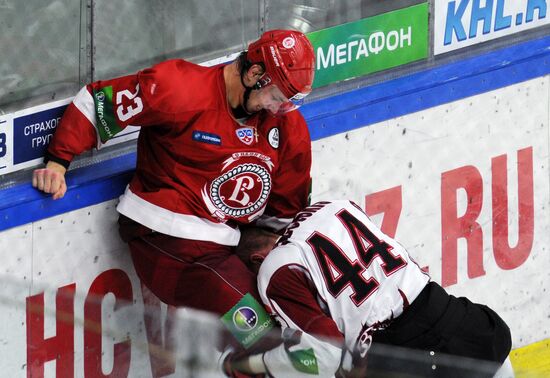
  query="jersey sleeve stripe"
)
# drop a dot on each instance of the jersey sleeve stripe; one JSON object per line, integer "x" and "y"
{"x": 84, "y": 102}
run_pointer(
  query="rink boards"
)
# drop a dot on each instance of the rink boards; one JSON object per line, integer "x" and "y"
{"x": 464, "y": 185}
{"x": 465, "y": 188}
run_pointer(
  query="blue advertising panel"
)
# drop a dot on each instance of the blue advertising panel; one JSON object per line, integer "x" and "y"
{"x": 32, "y": 133}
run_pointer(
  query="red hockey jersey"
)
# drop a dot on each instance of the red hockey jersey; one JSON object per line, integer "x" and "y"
{"x": 199, "y": 172}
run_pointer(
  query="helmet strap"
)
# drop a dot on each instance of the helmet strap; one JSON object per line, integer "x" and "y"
{"x": 240, "y": 111}
{"x": 246, "y": 96}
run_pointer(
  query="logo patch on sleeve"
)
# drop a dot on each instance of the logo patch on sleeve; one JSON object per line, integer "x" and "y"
{"x": 201, "y": 136}
{"x": 247, "y": 321}
{"x": 107, "y": 126}
{"x": 304, "y": 361}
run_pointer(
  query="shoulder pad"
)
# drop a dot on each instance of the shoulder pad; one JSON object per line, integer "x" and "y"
{"x": 177, "y": 86}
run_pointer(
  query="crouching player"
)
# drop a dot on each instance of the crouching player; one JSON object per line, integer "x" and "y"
{"x": 337, "y": 284}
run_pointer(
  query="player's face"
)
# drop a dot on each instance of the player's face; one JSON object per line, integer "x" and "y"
{"x": 271, "y": 99}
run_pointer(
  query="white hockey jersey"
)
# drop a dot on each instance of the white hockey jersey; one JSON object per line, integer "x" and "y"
{"x": 335, "y": 277}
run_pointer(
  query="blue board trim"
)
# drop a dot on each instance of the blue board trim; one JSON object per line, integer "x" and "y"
{"x": 104, "y": 181}
{"x": 88, "y": 186}
{"x": 426, "y": 89}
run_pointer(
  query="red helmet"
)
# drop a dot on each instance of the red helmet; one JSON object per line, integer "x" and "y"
{"x": 288, "y": 59}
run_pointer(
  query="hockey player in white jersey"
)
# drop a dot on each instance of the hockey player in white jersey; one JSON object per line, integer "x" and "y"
{"x": 337, "y": 284}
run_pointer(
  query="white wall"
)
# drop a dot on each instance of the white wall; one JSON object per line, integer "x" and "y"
{"x": 414, "y": 152}
{"x": 77, "y": 266}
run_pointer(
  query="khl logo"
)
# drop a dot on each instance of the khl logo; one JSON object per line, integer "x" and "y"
{"x": 246, "y": 135}
{"x": 245, "y": 319}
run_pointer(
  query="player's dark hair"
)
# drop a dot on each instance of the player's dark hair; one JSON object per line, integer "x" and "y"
{"x": 244, "y": 64}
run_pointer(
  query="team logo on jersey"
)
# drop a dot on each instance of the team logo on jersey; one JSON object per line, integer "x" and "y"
{"x": 248, "y": 321}
{"x": 364, "y": 341}
{"x": 273, "y": 137}
{"x": 241, "y": 191}
{"x": 239, "y": 155}
{"x": 246, "y": 135}
{"x": 245, "y": 318}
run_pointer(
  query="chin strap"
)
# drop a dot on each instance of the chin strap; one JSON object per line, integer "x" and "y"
{"x": 240, "y": 111}
{"x": 246, "y": 96}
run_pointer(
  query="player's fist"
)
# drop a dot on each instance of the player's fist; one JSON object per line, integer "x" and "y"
{"x": 236, "y": 365}
{"x": 50, "y": 179}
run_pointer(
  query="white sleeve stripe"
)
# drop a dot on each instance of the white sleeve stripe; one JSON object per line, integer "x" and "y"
{"x": 176, "y": 224}
{"x": 85, "y": 103}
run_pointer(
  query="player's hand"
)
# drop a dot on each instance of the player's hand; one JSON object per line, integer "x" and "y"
{"x": 50, "y": 179}
{"x": 227, "y": 365}
{"x": 239, "y": 369}
{"x": 227, "y": 360}
{"x": 236, "y": 365}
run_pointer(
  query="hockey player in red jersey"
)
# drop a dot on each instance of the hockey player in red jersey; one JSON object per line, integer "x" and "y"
{"x": 336, "y": 284}
{"x": 219, "y": 147}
